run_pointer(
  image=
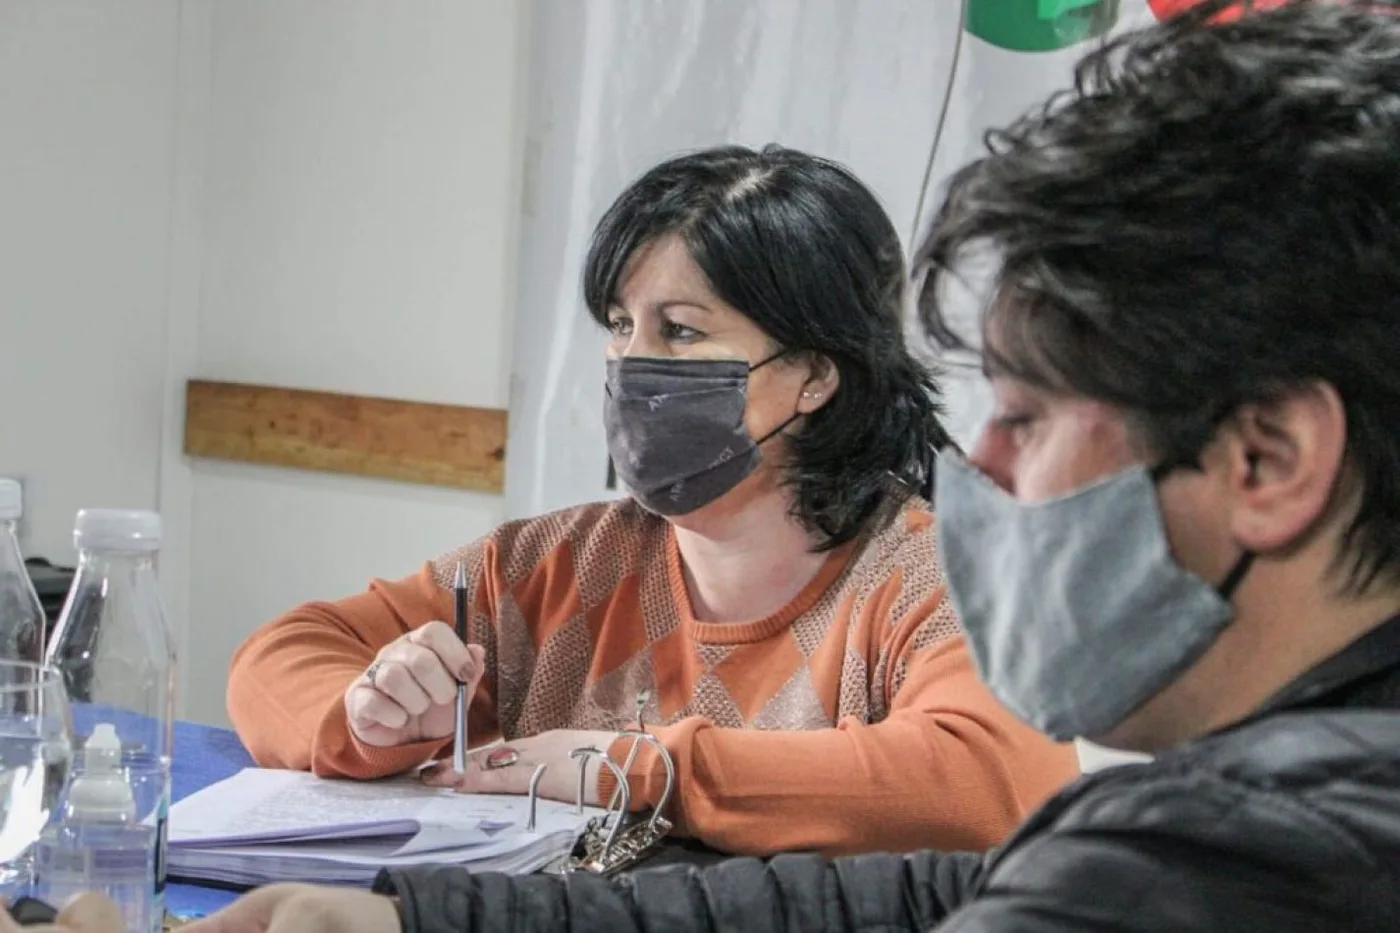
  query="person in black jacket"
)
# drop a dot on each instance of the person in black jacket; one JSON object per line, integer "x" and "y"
{"x": 1178, "y": 534}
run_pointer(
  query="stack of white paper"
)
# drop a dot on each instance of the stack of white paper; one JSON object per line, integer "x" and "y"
{"x": 262, "y": 826}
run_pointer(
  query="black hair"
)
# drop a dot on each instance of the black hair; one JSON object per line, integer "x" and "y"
{"x": 799, "y": 246}
{"x": 1208, "y": 218}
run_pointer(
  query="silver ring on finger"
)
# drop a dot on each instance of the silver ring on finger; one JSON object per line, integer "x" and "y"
{"x": 371, "y": 671}
{"x": 503, "y": 757}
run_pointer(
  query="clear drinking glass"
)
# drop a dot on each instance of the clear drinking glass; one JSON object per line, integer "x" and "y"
{"x": 36, "y": 747}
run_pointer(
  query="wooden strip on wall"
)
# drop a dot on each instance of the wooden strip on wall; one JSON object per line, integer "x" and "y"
{"x": 416, "y": 442}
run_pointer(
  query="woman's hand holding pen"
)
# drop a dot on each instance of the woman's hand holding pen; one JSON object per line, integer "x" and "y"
{"x": 409, "y": 693}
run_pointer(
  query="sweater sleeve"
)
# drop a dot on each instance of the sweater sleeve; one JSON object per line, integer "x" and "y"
{"x": 947, "y": 768}
{"x": 288, "y": 679}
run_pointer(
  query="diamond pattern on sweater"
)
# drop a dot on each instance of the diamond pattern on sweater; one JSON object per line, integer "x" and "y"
{"x": 515, "y": 666}
{"x": 712, "y": 701}
{"x": 560, "y": 677}
{"x": 795, "y": 706}
{"x": 612, "y": 699}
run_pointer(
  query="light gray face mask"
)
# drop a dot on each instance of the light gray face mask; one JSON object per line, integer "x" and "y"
{"x": 676, "y": 430}
{"x": 1075, "y": 611}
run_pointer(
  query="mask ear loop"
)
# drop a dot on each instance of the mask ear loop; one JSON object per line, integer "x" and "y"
{"x": 795, "y": 415}
{"x": 764, "y": 362}
{"x": 1232, "y": 580}
{"x": 1237, "y": 572}
{"x": 776, "y": 431}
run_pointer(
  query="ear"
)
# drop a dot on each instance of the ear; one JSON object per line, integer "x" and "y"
{"x": 1285, "y": 459}
{"x": 823, "y": 379}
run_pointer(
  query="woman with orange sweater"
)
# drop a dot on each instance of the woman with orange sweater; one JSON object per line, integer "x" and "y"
{"x": 770, "y": 591}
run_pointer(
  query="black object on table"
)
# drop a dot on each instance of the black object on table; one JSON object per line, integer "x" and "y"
{"x": 30, "y": 912}
{"x": 51, "y": 582}
{"x": 682, "y": 852}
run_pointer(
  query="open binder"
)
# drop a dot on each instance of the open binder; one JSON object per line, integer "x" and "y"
{"x": 618, "y": 839}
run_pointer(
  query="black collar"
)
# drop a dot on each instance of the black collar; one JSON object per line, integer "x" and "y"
{"x": 1364, "y": 673}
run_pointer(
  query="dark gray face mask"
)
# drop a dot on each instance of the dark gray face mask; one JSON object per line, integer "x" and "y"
{"x": 676, "y": 429}
{"x": 1075, "y": 610}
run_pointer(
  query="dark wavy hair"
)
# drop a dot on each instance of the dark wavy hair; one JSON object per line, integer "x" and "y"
{"x": 1209, "y": 218}
{"x": 804, "y": 250}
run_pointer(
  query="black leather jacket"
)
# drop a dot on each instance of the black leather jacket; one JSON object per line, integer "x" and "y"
{"x": 1287, "y": 822}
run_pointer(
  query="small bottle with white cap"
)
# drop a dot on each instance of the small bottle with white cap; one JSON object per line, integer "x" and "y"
{"x": 21, "y": 612}
{"x": 117, "y": 657}
{"x": 98, "y": 844}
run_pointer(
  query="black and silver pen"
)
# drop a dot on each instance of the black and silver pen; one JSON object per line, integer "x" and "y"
{"x": 459, "y": 735}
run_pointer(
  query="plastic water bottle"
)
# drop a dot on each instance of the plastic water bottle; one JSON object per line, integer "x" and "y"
{"x": 22, "y": 625}
{"x": 118, "y": 662}
{"x": 21, "y": 613}
{"x": 99, "y": 845}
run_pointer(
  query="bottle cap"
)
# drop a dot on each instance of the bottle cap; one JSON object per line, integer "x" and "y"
{"x": 11, "y": 500}
{"x": 100, "y": 792}
{"x": 128, "y": 530}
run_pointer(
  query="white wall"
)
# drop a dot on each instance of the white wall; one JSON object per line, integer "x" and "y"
{"x": 359, "y": 225}
{"x": 87, "y": 140}
{"x": 320, "y": 194}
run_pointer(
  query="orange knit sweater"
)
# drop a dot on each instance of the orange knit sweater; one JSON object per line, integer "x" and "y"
{"x": 851, "y": 720}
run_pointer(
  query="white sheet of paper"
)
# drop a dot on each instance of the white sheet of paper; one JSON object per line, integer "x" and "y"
{"x": 260, "y": 805}
{"x": 265, "y": 824}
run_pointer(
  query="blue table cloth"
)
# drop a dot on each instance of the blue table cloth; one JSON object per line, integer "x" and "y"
{"x": 203, "y": 755}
